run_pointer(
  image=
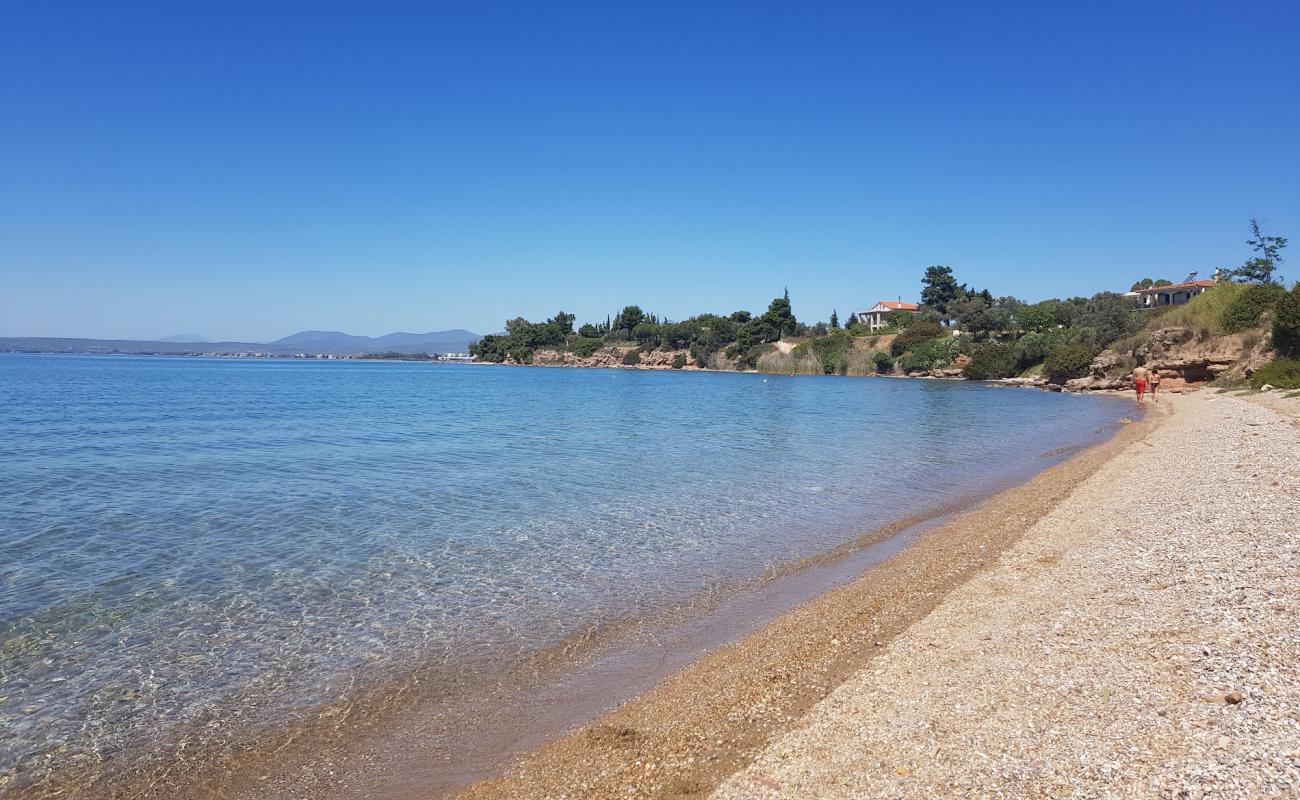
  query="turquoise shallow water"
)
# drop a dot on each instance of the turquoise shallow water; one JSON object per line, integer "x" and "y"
{"x": 184, "y": 538}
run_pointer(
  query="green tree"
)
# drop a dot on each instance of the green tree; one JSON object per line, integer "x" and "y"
{"x": 1068, "y": 361}
{"x": 563, "y": 322}
{"x": 939, "y": 288}
{"x": 899, "y": 319}
{"x": 629, "y": 318}
{"x": 1249, "y": 306}
{"x": 1286, "y": 324}
{"x": 1037, "y": 317}
{"x": 647, "y": 333}
{"x": 779, "y": 319}
{"x": 835, "y": 320}
{"x": 1260, "y": 269}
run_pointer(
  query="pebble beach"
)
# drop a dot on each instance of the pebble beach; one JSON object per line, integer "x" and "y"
{"x": 1125, "y": 625}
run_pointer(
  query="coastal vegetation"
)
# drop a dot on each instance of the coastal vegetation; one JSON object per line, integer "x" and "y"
{"x": 958, "y": 330}
{"x": 1284, "y": 371}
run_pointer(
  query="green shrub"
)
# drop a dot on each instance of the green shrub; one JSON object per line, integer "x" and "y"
{"x": 931, "y": 354}
{"x": 747, "y": 358}
{"x": 1248, "y": 306}
{"x": 991, "y": 361}
{"x": 679, "y": 361}
{"x": 919, "y": 331}
{"x": 1282, "y": 373}
{"x": 1033, "y": 348}
{"x": 883, "y": 362}
{"x": 584, "y": 346}
{"x": 1286, "y": 324}
{"x": 1068, "y": 361}
{"x": 632, "y": 358}
{"x": 911, "y": 362}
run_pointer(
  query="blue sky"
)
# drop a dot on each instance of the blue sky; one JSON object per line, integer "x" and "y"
{"x": 243, "y": 171}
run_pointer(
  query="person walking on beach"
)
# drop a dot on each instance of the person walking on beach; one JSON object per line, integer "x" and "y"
{"x": 1154, "y": 383}
{"x": 1140, "y": 377}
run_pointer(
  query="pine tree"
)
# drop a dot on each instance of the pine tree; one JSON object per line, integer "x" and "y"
{"x": 1260, "y": 269}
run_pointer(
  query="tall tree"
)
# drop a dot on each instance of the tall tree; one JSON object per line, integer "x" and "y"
{"x": 778, "y": 318}
{"x": 1260, "y": 268}
{"x": 629, "y": 318}
{"x": 939, "y": 289}
{"x": 835, "y": 320}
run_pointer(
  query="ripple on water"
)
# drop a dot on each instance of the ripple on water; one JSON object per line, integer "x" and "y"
{"x": 197, "y": 550}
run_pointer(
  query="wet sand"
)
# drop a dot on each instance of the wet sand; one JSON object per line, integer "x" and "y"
{"x": 699, "y": 726}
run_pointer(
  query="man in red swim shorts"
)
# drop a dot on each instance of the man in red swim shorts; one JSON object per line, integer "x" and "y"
{"x": 1140, "y": 378}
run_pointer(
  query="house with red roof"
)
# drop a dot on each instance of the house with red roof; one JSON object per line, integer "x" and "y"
{"x": 875, "y": 317}
{"x": 1175, "y": 294}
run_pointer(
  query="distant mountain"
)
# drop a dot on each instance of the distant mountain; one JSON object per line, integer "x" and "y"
{"x": 453, "y": 341}
{"x": 185, "y": 337}
{"x": 306, "y": 342}
{"x": 322, "y": 339}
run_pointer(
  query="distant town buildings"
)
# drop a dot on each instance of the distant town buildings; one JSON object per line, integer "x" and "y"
{"x": 875, "y": 317}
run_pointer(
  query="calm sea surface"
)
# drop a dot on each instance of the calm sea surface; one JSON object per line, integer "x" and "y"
{"x": 183, "y": 540}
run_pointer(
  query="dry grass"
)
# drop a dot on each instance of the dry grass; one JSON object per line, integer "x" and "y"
{"x": 804, "y": 362}
{"x": 1203, "y": 313}
{"x": 779, "y": 363}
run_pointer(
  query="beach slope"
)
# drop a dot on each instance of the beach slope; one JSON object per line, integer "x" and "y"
{"x": 1141, "y": 639}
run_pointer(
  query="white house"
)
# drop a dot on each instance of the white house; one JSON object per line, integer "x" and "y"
{"x": 1174, "y": 294}
{"x": 874, "y": 317}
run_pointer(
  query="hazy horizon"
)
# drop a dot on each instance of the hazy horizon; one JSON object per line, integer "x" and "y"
{"x": 246, "y": 172}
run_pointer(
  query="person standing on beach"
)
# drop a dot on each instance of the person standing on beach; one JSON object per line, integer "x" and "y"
{"x": 1154, "y": 381}
{"x": 1140, "y": 377}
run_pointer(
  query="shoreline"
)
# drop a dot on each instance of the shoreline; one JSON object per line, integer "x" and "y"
{"x": 699, "y": 725}
{"x": 904, "y": 682}
{"x": 208, "y": 772}
{"x": 1141, "y": 640}
{"x": 415, "y": 754}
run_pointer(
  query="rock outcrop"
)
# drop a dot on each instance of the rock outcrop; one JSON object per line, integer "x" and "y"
{"x": 612, "y": 357}
{"x": 1178, "y": 354}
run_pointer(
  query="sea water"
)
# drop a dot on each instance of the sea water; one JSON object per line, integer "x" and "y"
{"x": 191, "y": 548}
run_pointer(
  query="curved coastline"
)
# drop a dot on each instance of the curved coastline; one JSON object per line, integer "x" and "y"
{"x": 780, "y": 644}
{"x": 703, "y": 723}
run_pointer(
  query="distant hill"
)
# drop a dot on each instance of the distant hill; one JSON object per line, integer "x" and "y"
{"x": 185, "y": 337}
{"x": 305, "y": 342}
{"x": 453, "y": 341}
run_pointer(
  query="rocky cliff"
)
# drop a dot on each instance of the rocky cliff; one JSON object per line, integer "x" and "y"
{"x": 1182, "y": 356}
{"x": 612, "y": 356}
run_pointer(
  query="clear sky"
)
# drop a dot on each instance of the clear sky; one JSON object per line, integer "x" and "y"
{"x": 246, "y": 170}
